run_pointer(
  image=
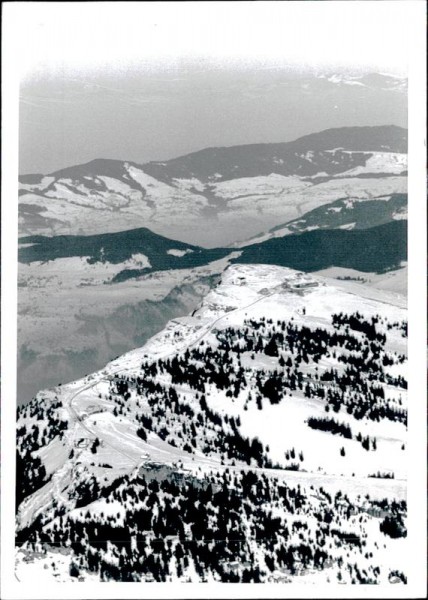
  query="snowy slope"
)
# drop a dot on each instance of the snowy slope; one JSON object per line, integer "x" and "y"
{"x": 143, "y": 407}
{"x": 392, "y": 281}
{"x": 381, "y": 162}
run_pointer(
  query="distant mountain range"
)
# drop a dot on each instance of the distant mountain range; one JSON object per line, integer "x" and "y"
{"x": 374, "y": 81}
{"x": 218, "y": 196}
{"x": 333, "y": 152}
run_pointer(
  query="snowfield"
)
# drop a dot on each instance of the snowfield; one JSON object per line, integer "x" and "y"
{"x": 75, "y": 271}
{"x": 381, "y": 162}
{"x": 262, "y": 185}
{"x": 179, "y": 253}
{"x": 393, "y": 281}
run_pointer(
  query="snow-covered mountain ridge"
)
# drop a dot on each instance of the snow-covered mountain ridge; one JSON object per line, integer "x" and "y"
{"x": 278, "y": 373}
{"x": 207, "y": 197}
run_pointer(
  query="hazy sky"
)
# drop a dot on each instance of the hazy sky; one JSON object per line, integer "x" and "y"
{"x": 151, "y": 81}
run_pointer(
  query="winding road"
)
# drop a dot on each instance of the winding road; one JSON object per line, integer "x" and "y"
{"x": 390, "y": 487}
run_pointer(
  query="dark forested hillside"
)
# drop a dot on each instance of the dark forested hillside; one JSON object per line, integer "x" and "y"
{"x": 371, "y": 250}
{"x": 356, "y": 214}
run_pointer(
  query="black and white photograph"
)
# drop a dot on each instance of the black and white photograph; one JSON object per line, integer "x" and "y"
{"x": 213, "y": 328}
